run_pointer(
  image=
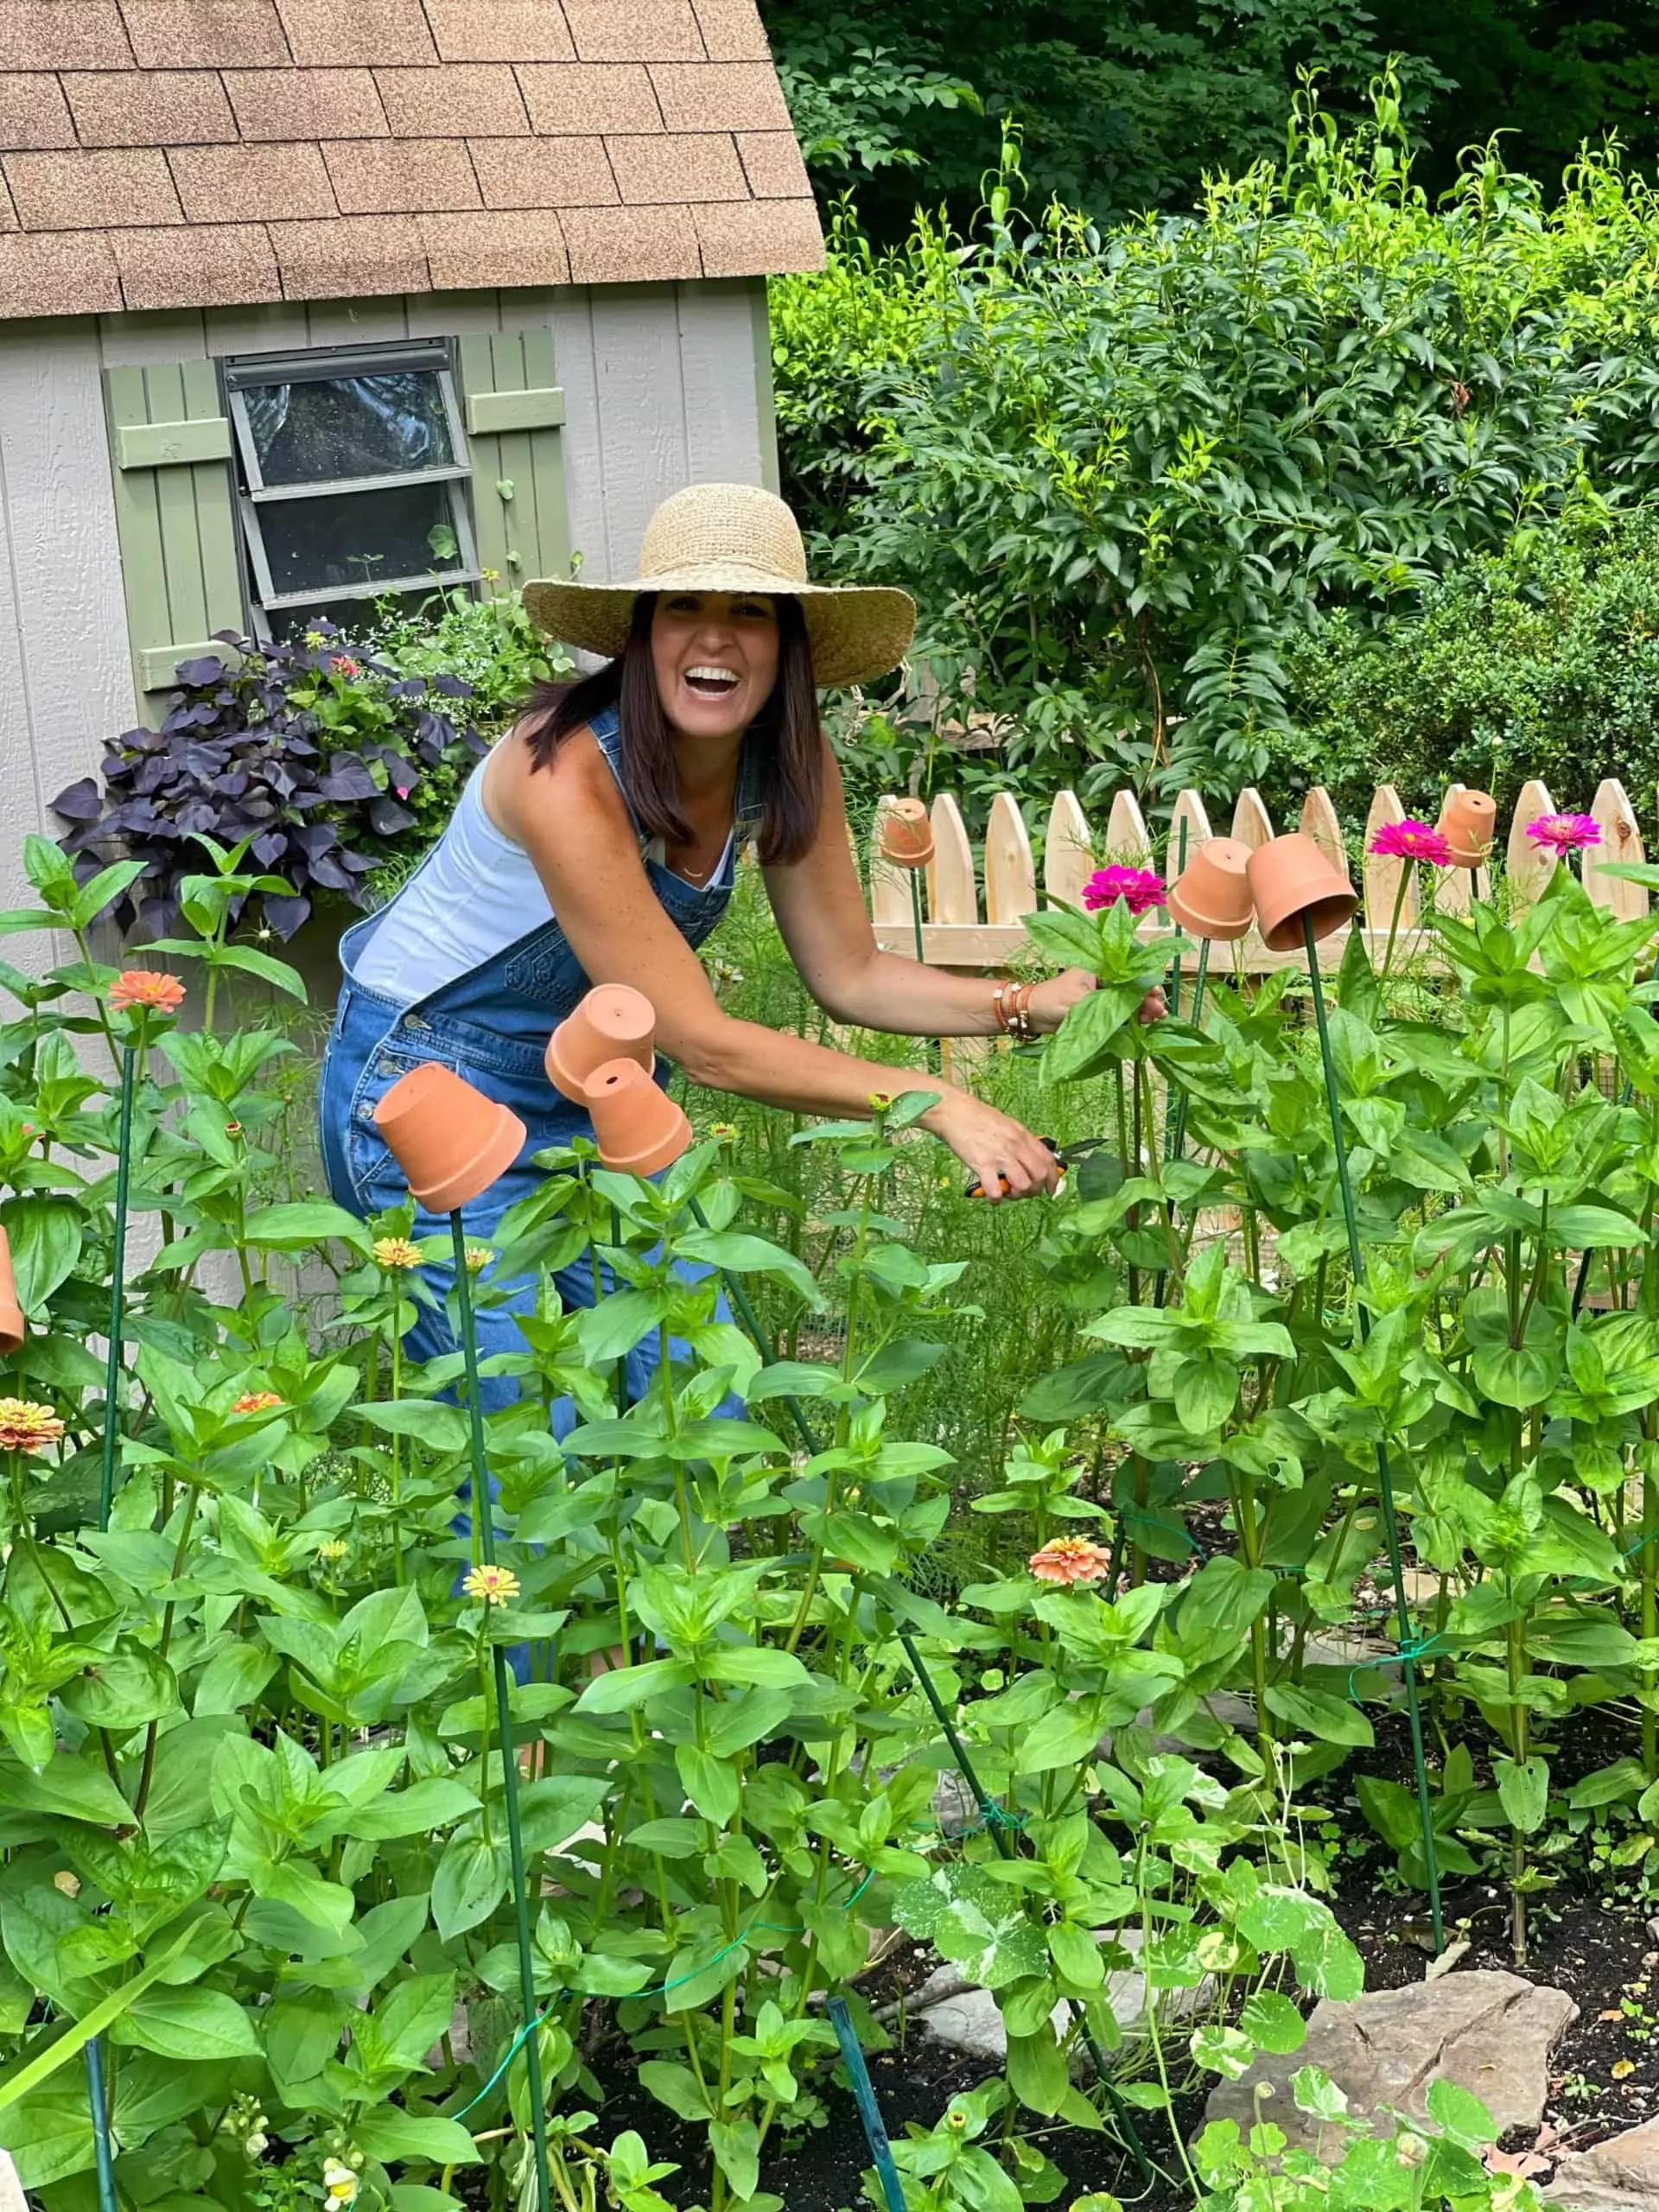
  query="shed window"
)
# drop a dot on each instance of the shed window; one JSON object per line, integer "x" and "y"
{"x": 352, "y": 466}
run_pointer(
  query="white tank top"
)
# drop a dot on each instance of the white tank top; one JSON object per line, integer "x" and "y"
{"x": 474, "y": 894}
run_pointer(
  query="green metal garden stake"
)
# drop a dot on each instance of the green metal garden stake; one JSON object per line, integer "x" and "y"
{"x": 103, "y": 2147}
{"x": 875, "y": 2131}
{"x": 1178, "y": 1130}
{"x": 1384, "y": 1473}
{"x": 96, "y": 2095}
{"x": 999, "y": 1825}
{"x": 484, "y": 1521}
{"x": 996, "y": 1819}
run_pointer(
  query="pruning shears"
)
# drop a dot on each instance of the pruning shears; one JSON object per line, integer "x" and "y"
{"x": 1068, "y": 1159}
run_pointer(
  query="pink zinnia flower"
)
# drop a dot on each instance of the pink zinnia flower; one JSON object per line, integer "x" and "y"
{"x": 1565, "y": 833}
{"x": 343, "y": 664}
{"x": 1070, "y": 1559}
{"x": 1412, "y": 840}
{"x": 1138, "y": 887}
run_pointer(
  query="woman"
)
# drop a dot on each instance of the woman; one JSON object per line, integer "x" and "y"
{"x": 596, "y": 844}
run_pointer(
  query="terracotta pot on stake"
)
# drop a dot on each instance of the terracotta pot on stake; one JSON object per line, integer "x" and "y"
{"x": 452, "y": 1143}
{"x": 639, "y": 1128}
{"x": 1211, "y": 901}
{"x": 1301, "y": 898}
{"x": 907, "y": 843}
{"x": 1469, "y": 825}
{"x": 13, "y": 1327}
{"x": 614, "y": 1022}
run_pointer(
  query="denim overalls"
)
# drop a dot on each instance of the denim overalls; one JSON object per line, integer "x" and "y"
{"x": 491, "y": 1026}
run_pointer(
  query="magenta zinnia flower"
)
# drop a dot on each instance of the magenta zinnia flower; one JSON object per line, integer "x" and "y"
{"x": 1565, "y": 833}
{"x": 1411, "y": 841}
{"x": 1138, "y": 887}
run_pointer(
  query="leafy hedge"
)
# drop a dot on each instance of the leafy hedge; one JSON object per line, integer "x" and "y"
{"x": 1541, "y": 660}
{"x": 1128, "y": 475}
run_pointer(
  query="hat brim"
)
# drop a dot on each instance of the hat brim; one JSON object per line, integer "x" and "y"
{"x": 857, "y": 632}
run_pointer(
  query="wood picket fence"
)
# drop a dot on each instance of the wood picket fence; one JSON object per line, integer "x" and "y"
{"x": 958, "y": 931}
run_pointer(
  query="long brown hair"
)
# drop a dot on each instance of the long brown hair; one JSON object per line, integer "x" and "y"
{"x": 791, "y": 782}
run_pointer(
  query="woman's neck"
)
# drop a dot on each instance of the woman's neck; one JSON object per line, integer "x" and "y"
{"x": 707, "y": 765}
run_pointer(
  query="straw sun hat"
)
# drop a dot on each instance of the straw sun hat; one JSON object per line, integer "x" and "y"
{"x": 734, "y": 537}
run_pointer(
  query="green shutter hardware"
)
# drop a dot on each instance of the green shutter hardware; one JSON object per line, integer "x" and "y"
{"x": 489, "y": 413}
{"x": 514, "y": 411}
{"x": 175, "y": 516}
{"x": 173, "y": 445}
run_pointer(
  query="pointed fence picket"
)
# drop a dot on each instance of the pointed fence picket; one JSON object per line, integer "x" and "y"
{"x": 957, "y": 932}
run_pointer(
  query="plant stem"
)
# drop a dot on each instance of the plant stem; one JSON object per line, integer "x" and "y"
{"x": 1393, "y": 921}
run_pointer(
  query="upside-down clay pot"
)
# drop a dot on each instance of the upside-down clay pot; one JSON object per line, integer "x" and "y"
{"x": 614, "y": 1022}
{"x": 1212, "y": 897}
{"x": 1469, "y": 824}
{"x": 907, "y": 834}
{"x": 640, "y": 1128}
{"x": 12, "y": 1329}
{"x": 1293, "y": 882}
{"x": 451, "y": 1141}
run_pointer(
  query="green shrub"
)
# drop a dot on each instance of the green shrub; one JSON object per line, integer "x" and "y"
{"x": 491, "y": 644}
{"x": 1541, "y": 660}
{"x": 1127, "y": 475}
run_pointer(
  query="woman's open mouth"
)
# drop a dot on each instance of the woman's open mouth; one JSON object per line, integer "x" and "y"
{"x": 711, "y": 682}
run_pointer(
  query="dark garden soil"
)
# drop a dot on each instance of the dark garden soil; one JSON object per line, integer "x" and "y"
{"x": 1602, "y": 1951}
{"x": 821, "y": 2169}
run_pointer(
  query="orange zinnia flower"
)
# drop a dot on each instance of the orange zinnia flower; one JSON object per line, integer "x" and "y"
{"x": 144, "y": 987}
{"x": 1070, "y": 1559}
{"x": 257, "y": 1401}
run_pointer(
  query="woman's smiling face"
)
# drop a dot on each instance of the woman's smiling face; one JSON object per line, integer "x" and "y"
{"x": 715, "y": 656}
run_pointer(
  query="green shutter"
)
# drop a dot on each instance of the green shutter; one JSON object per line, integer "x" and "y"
{"x": 514, "y": 408}
{"x": 175, "y": 514}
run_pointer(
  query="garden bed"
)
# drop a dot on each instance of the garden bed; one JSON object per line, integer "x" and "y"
{"x": 1058, "y": 1602}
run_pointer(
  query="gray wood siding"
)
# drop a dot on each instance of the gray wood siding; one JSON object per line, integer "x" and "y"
{"x": 661, "y": 389}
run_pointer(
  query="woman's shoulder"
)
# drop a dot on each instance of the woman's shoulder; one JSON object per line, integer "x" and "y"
{"x": 527, "y": 790}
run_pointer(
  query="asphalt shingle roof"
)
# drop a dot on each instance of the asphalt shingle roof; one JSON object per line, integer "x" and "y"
{"x": 200, "y": 153}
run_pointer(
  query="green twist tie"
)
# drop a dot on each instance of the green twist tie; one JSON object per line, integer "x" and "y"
{"x": 1414, "y": 1649}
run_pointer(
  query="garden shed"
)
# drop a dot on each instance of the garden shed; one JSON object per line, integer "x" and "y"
{"x": 303, "y": 302}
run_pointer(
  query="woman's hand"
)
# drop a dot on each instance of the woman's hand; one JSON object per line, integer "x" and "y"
{"x": 994, "y": 1146}
{"x": 1052, "y": 1000}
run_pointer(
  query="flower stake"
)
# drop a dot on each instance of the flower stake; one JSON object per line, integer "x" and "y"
{"x": 1211, "y": 901}
{"x": 875, "y": 2131}
{"x": 1301, "y": 895}
{"x": 140, "y": 992}
{"x": 452, "y": 1143}
{"x": 907, "y": 843}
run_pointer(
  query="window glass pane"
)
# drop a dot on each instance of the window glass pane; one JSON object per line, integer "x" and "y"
{"x": 360, "y": 539}
{"x": 350, "y": 426}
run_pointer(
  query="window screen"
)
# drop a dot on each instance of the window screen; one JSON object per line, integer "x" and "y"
{"x": 353, "y": 468}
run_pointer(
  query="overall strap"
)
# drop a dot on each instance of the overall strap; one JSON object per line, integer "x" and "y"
{"x": 748, "y": 796}
{"x": 607, "y": 726}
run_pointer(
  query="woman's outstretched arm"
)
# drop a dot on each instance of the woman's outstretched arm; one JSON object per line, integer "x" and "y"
{"x": 820, "y": 908}
{"x": 570, "y": 819}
